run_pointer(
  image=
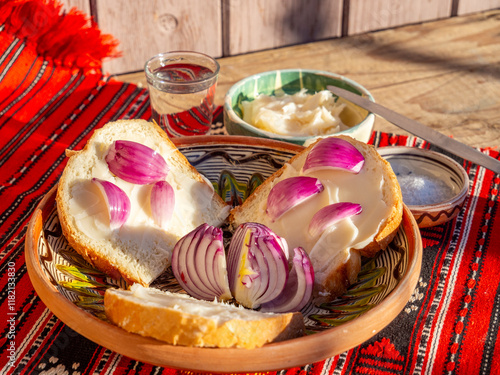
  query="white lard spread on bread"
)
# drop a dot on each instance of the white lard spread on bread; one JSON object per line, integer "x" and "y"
{"x": 91, "y": 215}
{"x": 355, "y": 232}
{"x": 218, "y": 311}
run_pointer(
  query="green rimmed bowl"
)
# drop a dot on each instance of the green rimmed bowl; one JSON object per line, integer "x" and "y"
{"x": 291, "y": 81}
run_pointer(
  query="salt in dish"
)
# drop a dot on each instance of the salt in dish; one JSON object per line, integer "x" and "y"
{"x": 433, "y": 185}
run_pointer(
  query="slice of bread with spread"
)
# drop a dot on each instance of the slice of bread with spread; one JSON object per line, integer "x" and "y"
{"x": 182, "y": 320}
{"x": 336, "y": 252}
{"x": 139, "y": 250}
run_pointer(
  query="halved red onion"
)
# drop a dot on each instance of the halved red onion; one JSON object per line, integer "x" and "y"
{"x": 298, "y": 289}
{"x": 335, "y": 153}
{"x": 136, "y": 163}
{"x": 199, "y": 264}
{"x": 329, "y": 215}
{"x": 117, "y": 201}
{"x": 162, "y": 202}
{"x": 257, "y": 265}
{"x": 289, "y": 193}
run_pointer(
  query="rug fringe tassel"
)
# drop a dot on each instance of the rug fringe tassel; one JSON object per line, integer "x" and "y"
{"x": 70, "y": 39}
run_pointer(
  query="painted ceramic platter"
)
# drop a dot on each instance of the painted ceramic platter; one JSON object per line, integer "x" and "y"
{"x": 73, "y": 290}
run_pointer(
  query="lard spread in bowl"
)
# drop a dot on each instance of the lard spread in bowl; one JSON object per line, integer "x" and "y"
{"x": 295, "y": 106}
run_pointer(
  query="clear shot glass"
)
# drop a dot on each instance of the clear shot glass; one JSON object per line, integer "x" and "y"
{"x": 181, "y": 88}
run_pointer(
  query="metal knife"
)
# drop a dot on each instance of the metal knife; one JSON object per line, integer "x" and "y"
{"x": 420, "y": 130}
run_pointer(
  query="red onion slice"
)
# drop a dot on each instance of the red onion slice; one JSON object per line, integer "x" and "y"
{"x": 334, "y": 153}
{"x": 329, "y": 215}
{"x": 215, "y": 267}
{"x": 289, "y": 193}
{"x": 201, "y": 247}
{"x": 257, "y": 265}
{"x": 298, "y": 290}
{"x": 136, "y": 163}
{"x": 162, "y": 203}
{"x": 117, "y": 202}
{"x": 275, "y": 281}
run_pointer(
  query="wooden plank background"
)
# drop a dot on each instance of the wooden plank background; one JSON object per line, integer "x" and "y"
{"x": 265, "y": 24}
{"x": 224, "y": 28}
{"x": 373, "y": 15}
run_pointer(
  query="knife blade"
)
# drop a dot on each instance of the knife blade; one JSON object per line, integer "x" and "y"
{"x": 420, "y": 130}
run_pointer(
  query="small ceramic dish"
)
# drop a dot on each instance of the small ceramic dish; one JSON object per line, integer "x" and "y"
{"x": 291, "y": 81}
{"x": 434, "y": 186}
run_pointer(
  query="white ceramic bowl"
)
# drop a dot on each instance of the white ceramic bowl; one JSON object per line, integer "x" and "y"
{"x": 291, "y": 81}
{"x": 434, "y": 185}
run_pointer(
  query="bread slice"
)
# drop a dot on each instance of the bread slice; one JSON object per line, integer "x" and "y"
{"x": 336, "y": 254}
{"x": 182, "y": 320}
{"x": 140, "y": 250}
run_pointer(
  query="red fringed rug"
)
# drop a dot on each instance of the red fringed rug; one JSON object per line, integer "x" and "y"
{"x": 53, "y": 95}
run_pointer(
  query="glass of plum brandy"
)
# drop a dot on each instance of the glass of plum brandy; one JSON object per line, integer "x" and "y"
{"x": 181, "y": 88}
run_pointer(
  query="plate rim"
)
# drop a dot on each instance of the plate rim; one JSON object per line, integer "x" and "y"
{"x": 276, "y": 356}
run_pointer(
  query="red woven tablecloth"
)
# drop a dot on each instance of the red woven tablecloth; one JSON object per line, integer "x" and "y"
{"x": 450, "y": 325}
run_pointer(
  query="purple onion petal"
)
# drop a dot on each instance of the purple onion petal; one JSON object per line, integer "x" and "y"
{"x": 289, "y": 193}
{"x": 329, "y": 215}
{"x": 117, "y": 202}
{"x": 298, "y": 290}
{"x": 162, "y": 202}
{"x": 136, "y": 163}
{"x": 203, "y": 245}
{"x": 183, "y": 265}
{"x": 276, "y": 267}
{"x": 334, "y": 153}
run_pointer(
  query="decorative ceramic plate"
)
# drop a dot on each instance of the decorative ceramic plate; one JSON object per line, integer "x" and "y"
{"x": 73, "y": 290}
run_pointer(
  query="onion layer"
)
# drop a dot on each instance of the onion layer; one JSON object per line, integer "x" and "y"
{"x": 335, "y": 153}
{"x": 162, "y": 203}
{"x": 329, "y": 215}
{"x": 136, "y": 163}
{"x": 117, "y": 202}
{"x": 199, "y": 264}
{"x": 257, "y": 265}
{"x": 289, "y": 193}
{"x": 255, "y": 271}
{"x": 299, "y": 287}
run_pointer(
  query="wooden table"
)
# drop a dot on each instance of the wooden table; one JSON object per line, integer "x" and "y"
{"x": 445, "y": 74}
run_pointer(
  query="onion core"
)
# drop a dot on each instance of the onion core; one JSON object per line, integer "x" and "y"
{"x": 257, "y": 265}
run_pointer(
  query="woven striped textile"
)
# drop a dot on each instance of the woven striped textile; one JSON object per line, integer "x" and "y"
{"x": 450, "y": 325}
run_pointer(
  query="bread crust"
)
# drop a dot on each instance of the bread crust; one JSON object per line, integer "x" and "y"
{"x": 177, "y": 327}
{"x": 76, "y": 239}
{"x": 339, "y": 277}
